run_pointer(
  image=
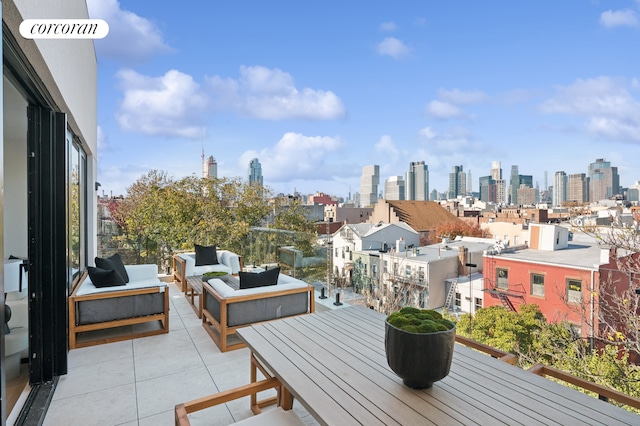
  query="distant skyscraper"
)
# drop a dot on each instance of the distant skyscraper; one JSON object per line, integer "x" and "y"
{"x": 394, "y": 188}
{"x": 502, "y": 194}
{"x": 487, "y": 187}
{"x": 417, "y": 184}
{"x": 210, "y": 168}
{"x": 369, "y": 182}
{"x": 559, "y": 188}
{"x": 457, "y": 182}
{"x": 434, "y": 195}
{"x": 604, "y": 181}
{"x": 255, "y": 172}
{"x": 514, "y": 184}
{"x": 496, "y": 170}
{"x": 469, "y": 190}
{"x": 578, "y": 192}
{"x": 633, "y": 192}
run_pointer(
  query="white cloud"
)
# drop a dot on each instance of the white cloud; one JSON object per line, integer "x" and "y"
{"x": 270, "y": 94}
{"x": 619, "y": 18}
{"x": 445, "y": 107}
{"x": 297, "y": 156}
{"x": 455, "y": 140}
{"x": 131, "y": 38}
{"x": 444, "y": 110}
{"x": 393, "y": 47}
{"x": 606, "y": 103}
{"x": 441, "y": 149}
{"x": 388, "y": 26}
{"x": 462, "y": 97}
{"x": 388, "y": 148}
{"x": 169, "y": 105}
{"x": 427, "y": 133}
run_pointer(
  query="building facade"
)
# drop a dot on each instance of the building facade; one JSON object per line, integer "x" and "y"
{"x": 457, "y": 182}
{"x": 369, "y": 182}
{"x": 376, "y": 237}
{"x": 394, "y": 188}
{"x": 255, "y": 172}
{"x": 417, "y": 187}
{"x": 558, "y": 276}
{"x": 578, "y": 188}
{"x": 604, "y": 181}
{"x": 559, "y": 188}
{"x": 209, "y": 167}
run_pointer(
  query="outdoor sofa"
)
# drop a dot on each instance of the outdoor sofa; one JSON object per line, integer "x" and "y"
{"x": 184, "y": 265}
{"x": 144, "y": 299}
{"x": 226, "y": 309}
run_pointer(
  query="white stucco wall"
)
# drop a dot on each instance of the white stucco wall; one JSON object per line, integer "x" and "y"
{"x": 72, "y": 63}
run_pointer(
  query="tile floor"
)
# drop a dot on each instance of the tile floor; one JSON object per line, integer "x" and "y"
{"x": 138, "y": 382}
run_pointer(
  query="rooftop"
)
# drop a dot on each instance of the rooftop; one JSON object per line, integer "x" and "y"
{"x": 139, "y": 382}
{"x": 576, "y": 255}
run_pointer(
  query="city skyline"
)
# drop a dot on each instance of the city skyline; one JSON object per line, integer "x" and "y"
{"x": 316, "y": 95}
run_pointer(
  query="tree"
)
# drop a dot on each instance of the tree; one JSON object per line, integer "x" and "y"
{"x": 452, "y": 230}
{"x": 290, "y": 216}
{"x": 168, "y": 215}
{"x": 506, "y": 330}
{"x": 142, "y": 214}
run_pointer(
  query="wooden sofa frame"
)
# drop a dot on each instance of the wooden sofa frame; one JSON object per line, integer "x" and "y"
{"x": 179, "y": 267}
{"x": 75, "y": 329}
{"x": 220, "y": 331}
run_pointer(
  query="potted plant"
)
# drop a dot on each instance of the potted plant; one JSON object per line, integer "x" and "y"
{"x": 419, "y": 345}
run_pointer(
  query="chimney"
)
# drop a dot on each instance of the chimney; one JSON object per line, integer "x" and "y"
{"x": 607, "y": 255}
{"x": 462, "y": 260}
{"x": 400, "y": 245}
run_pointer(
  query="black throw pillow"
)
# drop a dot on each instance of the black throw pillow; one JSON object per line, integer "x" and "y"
{"x": 259, "y": 279}
{"x": 206, "y": 255}
{"x": 105, "y": 277}
{"x": 114, "y": 262}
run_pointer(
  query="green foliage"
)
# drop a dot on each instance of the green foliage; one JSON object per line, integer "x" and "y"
{"x": 527, "y": 334}
{"x": 416, "y": 320}
{"x": 503, "y": 329}
{"x": 176, "y": 214}
{"x": 214, "y": 274}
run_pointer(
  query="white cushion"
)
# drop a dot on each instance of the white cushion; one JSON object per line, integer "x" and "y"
{"x": 140, "y": 276}
{"x": 225, "y": 291}
{"x": 220, "y": 267}
{"x": 226, "y": 258}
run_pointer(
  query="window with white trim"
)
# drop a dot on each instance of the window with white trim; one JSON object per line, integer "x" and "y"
{"x": 537, "y": 285}
{"x": 574, "y": 290}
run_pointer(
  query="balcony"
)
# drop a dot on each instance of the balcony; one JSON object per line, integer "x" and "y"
{"x": 140, "y": 381}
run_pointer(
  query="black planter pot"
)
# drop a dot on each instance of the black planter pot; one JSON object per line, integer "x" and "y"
{"x": 420, "y": 359}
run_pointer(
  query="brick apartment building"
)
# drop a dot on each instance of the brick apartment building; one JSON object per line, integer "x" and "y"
{"x": 568, "y": 281}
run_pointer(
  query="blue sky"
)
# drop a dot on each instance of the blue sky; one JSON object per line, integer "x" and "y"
{"x": 317, "y": 90}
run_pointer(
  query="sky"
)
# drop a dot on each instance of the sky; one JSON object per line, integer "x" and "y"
{"x": 317, "y": 90}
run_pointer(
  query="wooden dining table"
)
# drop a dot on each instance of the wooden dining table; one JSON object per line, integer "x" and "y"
{"x": 334, "y": 364}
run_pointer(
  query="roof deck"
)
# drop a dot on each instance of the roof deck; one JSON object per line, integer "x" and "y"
{"x": 139, "y": 382}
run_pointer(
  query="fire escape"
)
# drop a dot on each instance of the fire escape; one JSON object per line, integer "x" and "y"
{"x": 505, "y": 296}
